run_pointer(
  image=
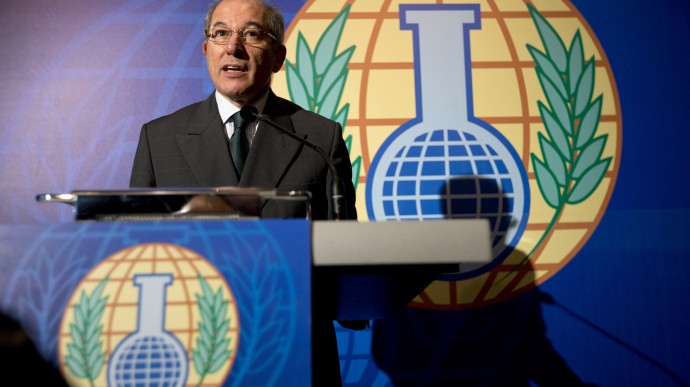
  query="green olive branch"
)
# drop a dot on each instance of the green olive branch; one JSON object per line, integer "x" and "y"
{"x": 317, "y": 79}
{"x": 85, "y": 355}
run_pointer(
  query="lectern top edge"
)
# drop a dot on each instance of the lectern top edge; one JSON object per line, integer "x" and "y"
{"x": 172, "y": 203}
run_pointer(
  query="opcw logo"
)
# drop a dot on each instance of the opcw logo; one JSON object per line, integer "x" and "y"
{"x": 504, "y": 111}
{"x": 154, "y": 314}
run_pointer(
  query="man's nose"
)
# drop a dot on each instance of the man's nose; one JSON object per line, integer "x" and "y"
{"x": 234, "y": 43}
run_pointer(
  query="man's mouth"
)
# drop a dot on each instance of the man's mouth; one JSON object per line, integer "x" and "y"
{"x": 234, "y": 68}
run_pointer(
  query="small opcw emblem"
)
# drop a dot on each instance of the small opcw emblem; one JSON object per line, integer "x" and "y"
{"x": 151, "y": 314}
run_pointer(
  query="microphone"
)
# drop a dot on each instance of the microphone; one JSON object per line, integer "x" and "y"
{"x": 250, "y": 113}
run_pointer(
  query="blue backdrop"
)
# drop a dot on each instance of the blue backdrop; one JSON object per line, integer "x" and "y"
{"x": 79, "y": 79}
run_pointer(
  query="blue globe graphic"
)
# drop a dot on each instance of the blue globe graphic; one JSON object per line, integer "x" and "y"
{"x": 426, "y": 175}
{"x": 150, "y": 361}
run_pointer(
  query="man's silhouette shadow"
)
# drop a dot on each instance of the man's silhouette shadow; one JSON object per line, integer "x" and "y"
{"x": 502, "y": 344}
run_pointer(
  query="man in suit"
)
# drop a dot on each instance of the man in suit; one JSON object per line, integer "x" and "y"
{"x": 243, "y": 46}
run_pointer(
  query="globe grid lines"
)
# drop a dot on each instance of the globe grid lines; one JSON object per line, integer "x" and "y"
{"x": 122, "y": 369}
{"x": 471, "y": 150}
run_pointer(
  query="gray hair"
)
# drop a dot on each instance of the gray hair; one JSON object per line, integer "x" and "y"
{"x": 276, "y": 22}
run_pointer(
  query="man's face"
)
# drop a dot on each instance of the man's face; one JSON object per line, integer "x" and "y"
{"x": 239, "y": 71}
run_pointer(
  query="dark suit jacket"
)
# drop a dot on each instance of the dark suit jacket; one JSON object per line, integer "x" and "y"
{"x": 188, "y": 148}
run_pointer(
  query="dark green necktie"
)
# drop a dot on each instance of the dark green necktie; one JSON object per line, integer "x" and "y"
{"x": 239, "y": 146}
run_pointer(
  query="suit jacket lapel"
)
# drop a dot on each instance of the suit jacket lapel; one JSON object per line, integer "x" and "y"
{"x": 272, "y": 152}
{"x": 203, "y": 144}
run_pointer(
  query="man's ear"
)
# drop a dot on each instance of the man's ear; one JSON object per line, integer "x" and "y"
{"x": 280, "y": 52}
{"x": 203, "y": 46}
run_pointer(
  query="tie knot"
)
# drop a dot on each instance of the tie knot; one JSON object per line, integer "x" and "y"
{"x": 239, "y": 121}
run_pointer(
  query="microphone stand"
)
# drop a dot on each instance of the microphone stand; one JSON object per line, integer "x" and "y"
{"x": 250, "y": 113}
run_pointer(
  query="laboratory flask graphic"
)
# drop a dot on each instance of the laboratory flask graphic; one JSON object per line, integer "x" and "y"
{"x": 150, "y": 355}
{"x": 446, "y": 163}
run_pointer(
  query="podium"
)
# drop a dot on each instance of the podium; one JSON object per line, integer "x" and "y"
{"x": 392, "y": 262}
{"x": 205, "y": 298}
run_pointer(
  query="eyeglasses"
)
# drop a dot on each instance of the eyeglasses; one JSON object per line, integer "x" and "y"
{"x": 251, "y": 35}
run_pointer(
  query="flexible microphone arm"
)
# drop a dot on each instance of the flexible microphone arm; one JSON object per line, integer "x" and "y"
{"x": 250, "y": 113}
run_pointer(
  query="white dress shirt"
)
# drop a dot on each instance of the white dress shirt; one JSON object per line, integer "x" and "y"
{"x": 227, "y": 109}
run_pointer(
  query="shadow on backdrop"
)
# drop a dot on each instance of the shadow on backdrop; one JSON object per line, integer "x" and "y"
{"x": 503, "y": 344}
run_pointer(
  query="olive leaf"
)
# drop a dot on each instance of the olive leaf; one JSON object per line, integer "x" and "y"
{"x": 575, "y": 61}
{"x": 554, "y": 162}
{"x": 589, "y": 123}
{"x": 555, "y": 49}
{"x": 547, "y": 182}
{"x": 549, "y": 70}
{"x": 555, "y": 131}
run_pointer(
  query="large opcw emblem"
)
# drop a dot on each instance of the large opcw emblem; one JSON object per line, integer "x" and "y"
{"x": 501, "y": 111}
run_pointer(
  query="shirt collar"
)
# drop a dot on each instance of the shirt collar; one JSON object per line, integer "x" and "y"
{"x": 227, "y": 109}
